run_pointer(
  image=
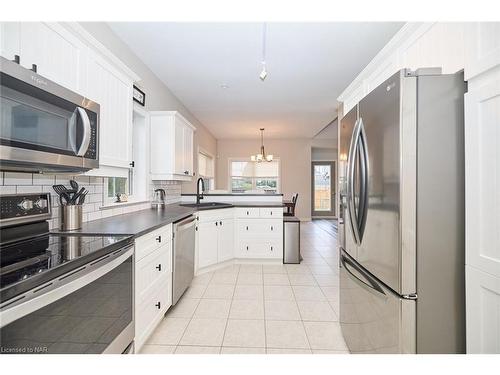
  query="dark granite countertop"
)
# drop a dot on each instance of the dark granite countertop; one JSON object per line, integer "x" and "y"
{"x": 141, "y": 222}
{"x": 235, "y": 194}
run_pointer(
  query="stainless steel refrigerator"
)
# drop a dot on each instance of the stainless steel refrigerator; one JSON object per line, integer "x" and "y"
{"x": 402, "y": 256}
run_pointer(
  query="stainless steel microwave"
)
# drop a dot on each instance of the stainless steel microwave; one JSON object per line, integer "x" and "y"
{"x": 44, "y": 126}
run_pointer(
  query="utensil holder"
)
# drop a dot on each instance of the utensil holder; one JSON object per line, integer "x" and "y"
{"x": 71, "y": 217}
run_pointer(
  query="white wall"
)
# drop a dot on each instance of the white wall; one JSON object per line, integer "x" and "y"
{"x": 158, "y": 95}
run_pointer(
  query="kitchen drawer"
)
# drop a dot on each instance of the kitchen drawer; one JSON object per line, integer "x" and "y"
{"x": 151, "y": 241}
{"x": 261, "y": 227}
{"x": 271, "y": 212}
{"x": 260, "y": 249}
{"x": 247, "y": 212}
{"x": 215, "y": 215}
{"x": 149, "y": 312}
{"x": 150, "y": 269}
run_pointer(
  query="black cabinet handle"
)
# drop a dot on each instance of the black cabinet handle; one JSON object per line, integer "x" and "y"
{"x": 247, "y": 213}
{"x": 216, "y": 223}
{"x": 17, "y": 59}
{"x": 271, "y": 248}
{"x": 196, "y": 229}
{"x": 272, "y": 227}
{"x": 158, "y": 267}
{"x": 247, "y": 227}
{"x": 33, "y": 68}
{"x": 158, "y": 305}
{"x": 247, "y": 248}
{"x": 186, "y": 172}
{"x": 158, "y": 238}
{"x": 220, "y": 223}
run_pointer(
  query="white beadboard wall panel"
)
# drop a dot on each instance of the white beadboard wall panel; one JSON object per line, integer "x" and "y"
{"x": 12, "y": 183}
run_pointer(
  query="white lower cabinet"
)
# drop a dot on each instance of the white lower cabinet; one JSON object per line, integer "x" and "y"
{"x": 483, "y": 312}
{"x": 259, "y": 233}
{"x": 215, "y": 237}
{"x": 153, "y": 281}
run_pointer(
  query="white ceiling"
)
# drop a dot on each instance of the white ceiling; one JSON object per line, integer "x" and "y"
{"x": 309, "y": 65}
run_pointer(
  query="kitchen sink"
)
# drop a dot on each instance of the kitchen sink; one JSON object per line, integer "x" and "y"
{"x": 206, "y": 205}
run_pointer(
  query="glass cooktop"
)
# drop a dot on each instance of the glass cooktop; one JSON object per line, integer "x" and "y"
{"x": 28, "y": 259}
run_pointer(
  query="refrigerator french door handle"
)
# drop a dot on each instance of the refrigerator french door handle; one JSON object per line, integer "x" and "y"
{"x": 363, "y": 205}
{"x": 351, "y": 160}
{"x": 369, "y": 283}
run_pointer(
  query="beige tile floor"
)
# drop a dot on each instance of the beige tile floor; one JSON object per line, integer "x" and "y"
{"x": 257, "y": 308}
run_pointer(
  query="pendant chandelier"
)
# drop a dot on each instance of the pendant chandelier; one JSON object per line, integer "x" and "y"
{"x": 262, "y": 155}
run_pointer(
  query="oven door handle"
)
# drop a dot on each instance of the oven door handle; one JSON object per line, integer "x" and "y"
{"x": 87, "y": 130}
{"x": 62, "y": 286}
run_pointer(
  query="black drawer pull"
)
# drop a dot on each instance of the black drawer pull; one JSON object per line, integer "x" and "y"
{"x": 216, "y": 223}
{"x": 158, "y": 305}
{"x": 196, "y": 228}
{"x": 220, "y": 222}
{"x": 247, "y": 248}
{"x": 272, "y": 227}
{"x": 158, "y": 267}
{"x": 158, "y": 238}
{"x": 248, "y": 213}
{"x": 247, "y": 227}
{"x": 271, "y": 248}
{"x": 271, "y": 213}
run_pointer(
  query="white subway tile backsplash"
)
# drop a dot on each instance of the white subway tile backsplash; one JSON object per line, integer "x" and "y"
{"x": 16, "y": 178}
{"x": 7, "y": 190}
{"x": 32, "y": 189}
{"x": 14, "y": 182}
{"x": 44, "y": 179}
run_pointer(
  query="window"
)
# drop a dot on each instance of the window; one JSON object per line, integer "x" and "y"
{"x": 248, "y": 176}
{"x": 206, "y": 169}
{"x": 117, "y": 185}
{"x": 134, "y": 180}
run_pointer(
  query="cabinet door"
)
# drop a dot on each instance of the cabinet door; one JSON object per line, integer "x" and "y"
{"x": 207, "y": 244}
{"x": 482, "y": 175}
{"x": 59, "y": 55}
{"x": 483, "y": 312}
{"x": 179, "y": 148}
{"x": 9, "y": 39}
{"x": 482, "y": 43}
{"x": 188, "y": 150}
{"x": 113, "y": 92}
{"x": 226, "y": 240}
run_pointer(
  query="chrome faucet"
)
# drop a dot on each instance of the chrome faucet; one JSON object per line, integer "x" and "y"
{"x": 199, "y": 196}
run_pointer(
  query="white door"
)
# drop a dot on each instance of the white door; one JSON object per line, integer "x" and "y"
{"x": 188, "y": 150}
{"x": 179, "y": 148}
{"x": 207, "y": 244}
{"x": 113, "y": 92}
{"x": 9, "y": 39}
{"x": 483, "y": 312}
{"x": 226, "y": 240}
{"x": 482, "y": 179}
{"x": 58, "y": 55}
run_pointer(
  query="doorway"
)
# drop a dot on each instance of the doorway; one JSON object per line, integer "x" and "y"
{"x": 323, "y": 188}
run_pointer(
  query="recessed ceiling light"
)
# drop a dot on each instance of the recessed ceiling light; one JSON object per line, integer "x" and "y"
{"x": 224, "y": 86}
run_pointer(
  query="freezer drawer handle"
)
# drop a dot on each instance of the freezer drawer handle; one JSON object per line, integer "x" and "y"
{"x": 371, "y": 284}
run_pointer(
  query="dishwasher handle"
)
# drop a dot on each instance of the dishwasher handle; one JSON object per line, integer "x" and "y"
{"x": 185, "y": 223}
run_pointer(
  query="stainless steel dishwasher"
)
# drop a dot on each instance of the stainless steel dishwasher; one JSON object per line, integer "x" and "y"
{"x": 183, "y": 256}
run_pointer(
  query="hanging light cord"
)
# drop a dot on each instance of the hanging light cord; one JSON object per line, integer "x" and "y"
{"x": 264, "y": 32}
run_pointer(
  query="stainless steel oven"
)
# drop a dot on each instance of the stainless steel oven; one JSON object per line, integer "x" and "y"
{"x": 87, "y": 310}
{"x": 44, "y": 126}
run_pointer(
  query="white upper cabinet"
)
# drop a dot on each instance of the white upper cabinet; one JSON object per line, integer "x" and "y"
{"x": 71, "y": 57}
{"x": 113, "y": 91}
{"x": 57, "y": 54}
{"x": 171, "y": 146}
{"x": 482, "y": 42}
